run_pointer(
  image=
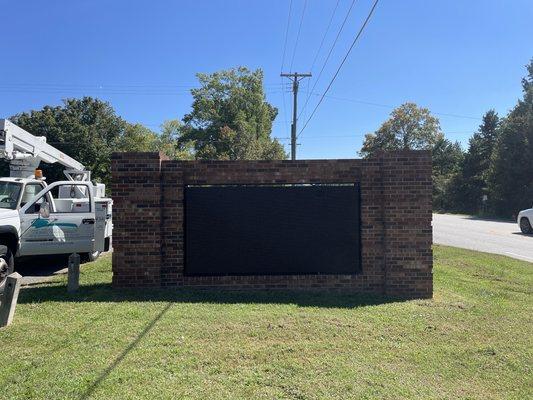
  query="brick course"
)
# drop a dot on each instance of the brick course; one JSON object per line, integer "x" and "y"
{"x": 396, "y": 234}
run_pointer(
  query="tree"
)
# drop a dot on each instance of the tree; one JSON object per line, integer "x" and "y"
{"x": 137, "y": 137}
{"x": 89, "y": 130}
{"x": 409, "y": 127}
{"x": 412, "y": 127}
{"x": 230, "y": 118}
{"x": 86, "y": 129}
{"x": 511, "y": 174}
{"x": 447, "y": 159}
{"x": 471, "y": 182}
{"x": 169, "y": 142}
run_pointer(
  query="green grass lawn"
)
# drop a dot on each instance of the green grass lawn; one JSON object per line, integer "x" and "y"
{"x": 473, "y": 340}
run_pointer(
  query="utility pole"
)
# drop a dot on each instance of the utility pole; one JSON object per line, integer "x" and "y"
{"x": 296, "y": 78}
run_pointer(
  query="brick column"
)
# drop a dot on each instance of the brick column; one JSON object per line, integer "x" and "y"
{"x": 407, "y": 213}
{"x": 137, "y": 215}
{"x": 372, "y": 227}
{"x": 172, "y": 242}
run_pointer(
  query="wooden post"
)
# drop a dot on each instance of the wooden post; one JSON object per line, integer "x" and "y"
{"x": 9, "y": 299}
{"x": 73, "y": 272}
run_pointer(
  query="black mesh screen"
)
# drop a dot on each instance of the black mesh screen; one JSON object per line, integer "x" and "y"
{"x": 272, "y": 230}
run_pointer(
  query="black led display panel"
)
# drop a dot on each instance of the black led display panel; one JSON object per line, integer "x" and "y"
{"x": 272, "y": 230}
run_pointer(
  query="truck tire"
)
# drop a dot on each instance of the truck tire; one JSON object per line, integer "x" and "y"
{"x": 525, "y": 226}
{"x": 7, "y": 263}
{"x": 88, "y": 257}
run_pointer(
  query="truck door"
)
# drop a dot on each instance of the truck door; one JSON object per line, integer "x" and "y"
{"x": 67, "y": 228}
{"x": 100, "y": 225}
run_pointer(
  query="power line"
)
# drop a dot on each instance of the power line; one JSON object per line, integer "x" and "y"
{"x": 95, "y": 91}
{"x": 342, "y": 63}
{"x": 392, "y": 107}
{"x": 114, "y": 87}
{"x": 283, "y": 61}
{"x": 158, "y": 125}
{"x": 329, "y": 53}
{"x": 98, "y": 85}
{"x": 319, "y": 49}
{"x": 100, "y": 91}
{"x": 298, "y": 35}
{"x": 349, "y": 136}
{"x": 324, "y": 36}
{"x": 334, "y": 136}
{"x": 188, "y": 85}
{"x": 286, "y": 38}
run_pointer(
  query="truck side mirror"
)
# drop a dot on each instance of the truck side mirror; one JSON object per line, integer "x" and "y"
{"x": 44, "y": 210}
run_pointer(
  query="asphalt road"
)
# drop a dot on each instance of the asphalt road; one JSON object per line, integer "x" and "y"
{"x": 491, "y": 236}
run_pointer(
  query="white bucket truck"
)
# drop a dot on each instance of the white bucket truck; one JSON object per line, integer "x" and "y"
{"x": 71, "y": 216}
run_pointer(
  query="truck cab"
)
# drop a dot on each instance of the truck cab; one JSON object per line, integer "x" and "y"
{"x": 62, "y": 218}
{"x": 36, "y": 218}
{"x": 16, "y": 192}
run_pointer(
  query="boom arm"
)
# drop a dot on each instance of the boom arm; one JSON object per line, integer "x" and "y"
{"x": 25, "y": 151}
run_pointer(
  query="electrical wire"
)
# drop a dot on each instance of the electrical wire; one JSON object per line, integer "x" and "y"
{"x": 329, "y": 55}
{"x": 101, "y": 91}
{"x": 298, "y": 35}
{"x": 369, "y": 103}
{"x": 283, "y": 64}
{"x": 320, "y": 48}
{"x": 324, "y": 36}
{"x": 341, "y": 64}
{"x": 286, "y": 38}
{"x": 112, "y": 87}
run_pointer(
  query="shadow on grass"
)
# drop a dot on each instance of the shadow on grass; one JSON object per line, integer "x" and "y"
{"x": 104, "y": 292}
{"x": 111, "y": 367}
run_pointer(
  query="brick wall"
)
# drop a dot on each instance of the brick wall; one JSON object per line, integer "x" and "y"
{"x": 148, "y": 237}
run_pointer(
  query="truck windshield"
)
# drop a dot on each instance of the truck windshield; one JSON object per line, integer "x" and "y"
{"x": 9, "y": 194}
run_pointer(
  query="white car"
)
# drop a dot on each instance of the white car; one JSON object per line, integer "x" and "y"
{"x": 525, "y": 220}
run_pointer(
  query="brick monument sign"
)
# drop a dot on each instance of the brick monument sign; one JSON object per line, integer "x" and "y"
{"x": 357, "y": 225}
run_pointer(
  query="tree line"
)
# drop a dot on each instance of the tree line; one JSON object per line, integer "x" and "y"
{"x": 230, "y": 119}
{"x": 494, "y": 176}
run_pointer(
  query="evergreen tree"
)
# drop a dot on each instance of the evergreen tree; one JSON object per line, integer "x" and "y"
{"x": 447, "y": 158}
{"x": 470, "y": 185}
{"x": 511, "y": 174}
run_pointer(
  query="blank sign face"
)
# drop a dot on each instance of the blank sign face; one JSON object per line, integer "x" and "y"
{"x": 272, "y": 230}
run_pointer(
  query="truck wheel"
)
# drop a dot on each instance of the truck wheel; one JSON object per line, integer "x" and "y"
{"x": 525, "y": 226}
{"x": 7, "y": 262}
{"x": 88, "y": 257}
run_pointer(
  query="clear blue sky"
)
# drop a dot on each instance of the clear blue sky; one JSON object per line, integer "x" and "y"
{"x": 454, "y": 57}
